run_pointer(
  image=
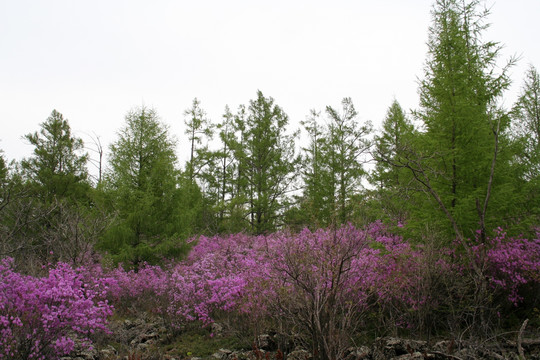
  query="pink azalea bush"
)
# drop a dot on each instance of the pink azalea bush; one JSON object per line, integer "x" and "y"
{"x": 218, "y": 275}
{"x": 40, "y": 318}
{"x": 510, "y": 262}
{"x": 325, "y": 283}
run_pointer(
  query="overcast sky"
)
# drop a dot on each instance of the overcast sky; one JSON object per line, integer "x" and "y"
{"x": 95, "y": 60}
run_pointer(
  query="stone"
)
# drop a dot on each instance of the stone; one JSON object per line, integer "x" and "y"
{"x": 217, "y": 329}
{"x": 222, "y": 354}
{"x": 390, "y": 347}
{"x": 359, "y": 353}
{"x": 299, "y": 355}
{"x": 414, "y": 356}
{"x": 108, "y": 351}
{"x": 266, "y": 342}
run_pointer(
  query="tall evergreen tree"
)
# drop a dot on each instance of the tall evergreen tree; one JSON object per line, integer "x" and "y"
{"x": 266, "y": 162}
{"x": 525, "y": 133}
{"x": 3, "y": 169}
{"x": 57, "y": 168}
{"x": 142, "y": 184}
{"x": 219, "y": 177}
{"x": 457, "y": 158}
{"x": 314, "y": 206}
{"x": 52, "y": 212}
{"x": 333, "y": 168}
{"x": 526, "y": 124}
{"x": 393, "y": 184}
{"x": 198, "y": 129}
{"x": 346, "y": 146}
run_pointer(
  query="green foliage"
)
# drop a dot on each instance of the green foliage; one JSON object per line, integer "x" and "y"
{"x": 526, "y": 124}
{"x": 460, "y": 158}
{"x": 525, "y": 136}
{"x": 266, "y": 162}
{"x": 3, "y": 169}
{"x": 197, "y": 341}
{"x": 48, "y": 210}
{"x": 56, "y": 170}
{"x": 220, "y": 178}
{"x": 142, "y": 186}
{"x": 333, "y": 164}
{"x": 198, "y": 129}
{"x": 394, "y": 185}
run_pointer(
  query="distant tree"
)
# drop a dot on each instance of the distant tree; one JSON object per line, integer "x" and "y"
{"x": 219, "y": 176}
{"x": 266, "y": 162}
{"x": 526, "y": 124}
{"x": 57, "y": 168}
{"x": 47, "y": 211}
{"x": 348, "y": 145}
{"x": 142, "y": 184}
{"x": 314, "y": 207}
{"x": 198, "y": 129}
{"x": 525, "y": 134}
{"x": 393, "y": 184}
{"x": 3, "y": 168}
{"x": 333, "y": 165}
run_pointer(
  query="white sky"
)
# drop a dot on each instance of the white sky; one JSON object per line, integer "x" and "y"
{"x": 95, "y": 60}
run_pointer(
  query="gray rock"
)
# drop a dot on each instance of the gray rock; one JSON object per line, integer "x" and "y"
{"x": 414, "y": 356}
{"x": 108, "y": 351}
{"x": 222, "y": 354}
{"x": 142, "y": 346}
{"x": 390, "y": 347}
{"x": 362, "y": 352}
{"x": 266, "y": 342}
{"x": 128, "y": 324}
{"x": 217, "y": 329}
{"x": 299, "y": 355}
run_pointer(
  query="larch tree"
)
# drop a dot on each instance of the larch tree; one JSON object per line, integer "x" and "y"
{"x": 333, "y": 167}
{"x": 219, "y": 176}
{"x": 199, "y": 130}
{"x": 393, "y": 184}
{"x": 526, "y": 124}
{"x": 314, "y": 208}
{"x": 347, "y": 146}
{"x": 142, "y": 184}
{"x": 57, "y": 167}
{"x": 267, "y": 163}
{"x": 53, "y": 210}
{"x": 525, "y": 134}
{"x": 456, "y": 158}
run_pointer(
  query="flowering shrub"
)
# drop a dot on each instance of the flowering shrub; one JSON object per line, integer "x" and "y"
{"x": 40, "y": 318}
{"x": 216, "y": 276}
{"x": 510, "y": 262}
{"x": 321, "y": 283}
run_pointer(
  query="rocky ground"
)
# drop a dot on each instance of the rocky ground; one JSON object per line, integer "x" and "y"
{"x": 144, "y": 339}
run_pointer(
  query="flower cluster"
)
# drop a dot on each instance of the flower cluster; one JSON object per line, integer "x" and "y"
{"x": 510, "y": 262}
{"x": 41, "y": 317}
{"x": 344, "y": 272}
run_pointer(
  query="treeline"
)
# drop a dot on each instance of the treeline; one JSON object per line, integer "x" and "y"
{"x": 457, "y": 167}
